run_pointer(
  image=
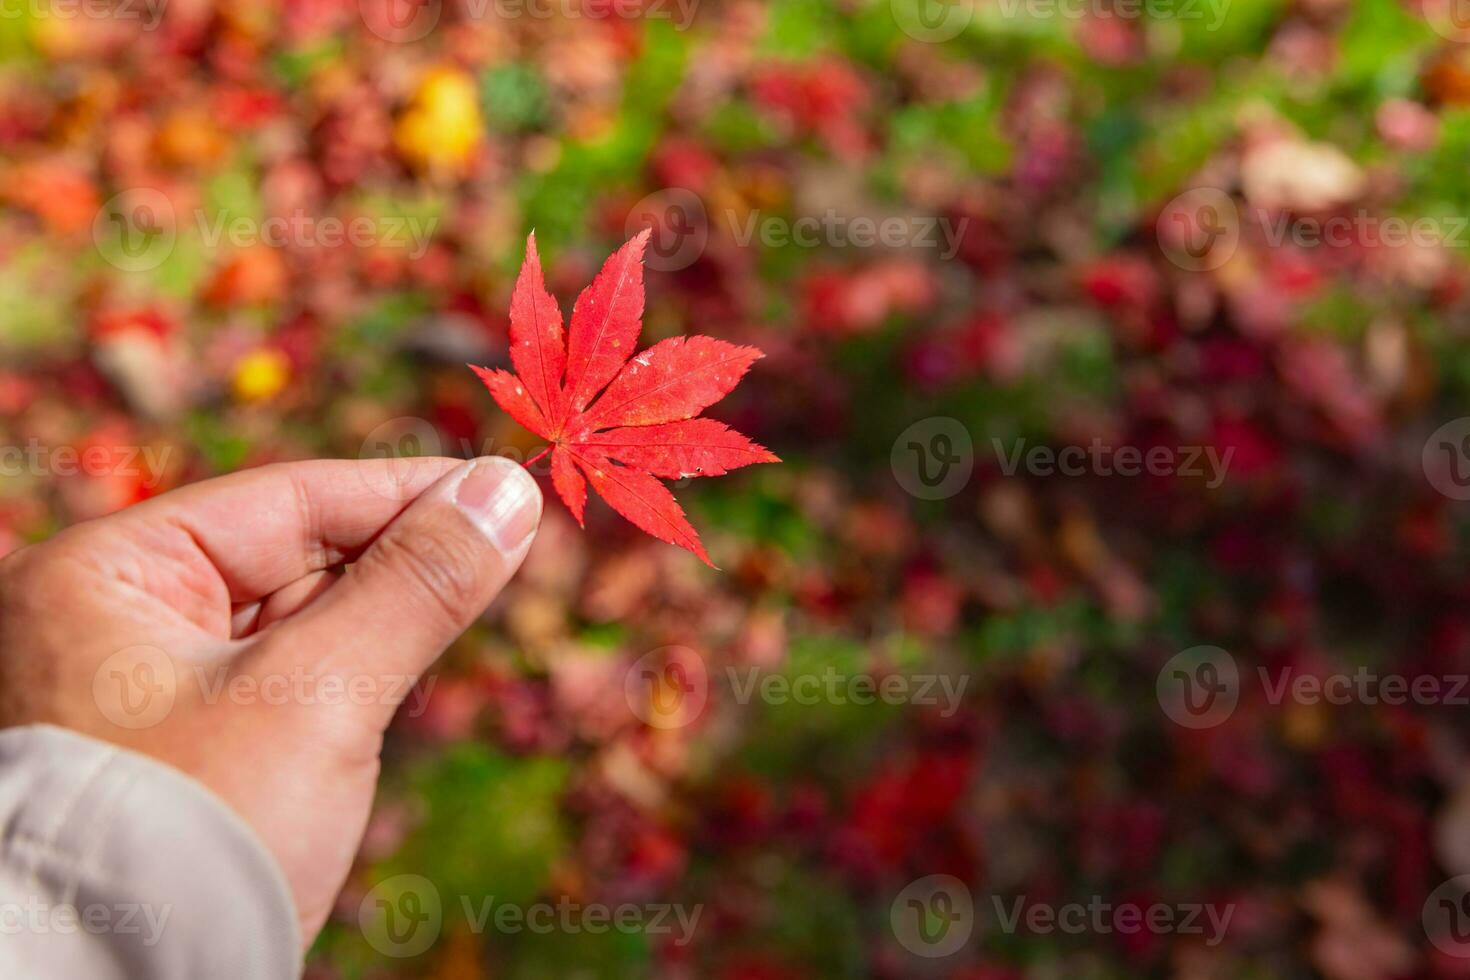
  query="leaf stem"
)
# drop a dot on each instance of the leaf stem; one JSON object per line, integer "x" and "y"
{"x": 535, "y": 458}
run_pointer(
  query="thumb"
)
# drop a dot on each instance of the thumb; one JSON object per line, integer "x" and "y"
{"x": 428, "y": 576}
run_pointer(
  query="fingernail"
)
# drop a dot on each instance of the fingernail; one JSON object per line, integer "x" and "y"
{"x": 502, "y": 500}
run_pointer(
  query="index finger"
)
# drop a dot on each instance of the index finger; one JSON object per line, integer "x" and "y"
{"x": 264, "y": 528}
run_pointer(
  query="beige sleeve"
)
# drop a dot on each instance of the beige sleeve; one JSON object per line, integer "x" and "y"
{"x": 117, "y": 867}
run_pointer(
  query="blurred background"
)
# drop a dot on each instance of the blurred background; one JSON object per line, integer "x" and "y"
{"x": 1107, "y": 616}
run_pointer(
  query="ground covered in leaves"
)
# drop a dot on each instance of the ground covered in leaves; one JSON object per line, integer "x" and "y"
{"x": 1057, "y": 304}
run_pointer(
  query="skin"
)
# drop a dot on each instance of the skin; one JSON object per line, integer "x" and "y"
{"x": 245, "y": 578}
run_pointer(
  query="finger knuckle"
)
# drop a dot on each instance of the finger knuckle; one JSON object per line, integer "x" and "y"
{"x": 13, "y": 564}
{"x": 41, "y": 576}
{"x": 443, "y": 570}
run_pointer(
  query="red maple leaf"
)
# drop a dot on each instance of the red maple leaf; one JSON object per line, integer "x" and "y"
{"x": 643, "y": 426}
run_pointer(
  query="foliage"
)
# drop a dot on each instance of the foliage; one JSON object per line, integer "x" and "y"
{"x": 1039, "y": 297}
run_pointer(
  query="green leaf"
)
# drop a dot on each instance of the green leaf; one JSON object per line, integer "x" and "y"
{"x": 514, "y": 98}
{"x": 36, "y": 299}
{"x": 575, "y": 955}
{"x": 493, "y": 825}
{"x": 1380, "y": 48}
{"x": 556, "y": 204}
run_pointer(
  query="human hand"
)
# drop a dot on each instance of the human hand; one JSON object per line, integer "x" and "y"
{"x": 215, "y": 628}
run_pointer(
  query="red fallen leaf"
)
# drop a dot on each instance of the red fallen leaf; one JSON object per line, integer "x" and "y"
{"x": 642, "y": 427}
